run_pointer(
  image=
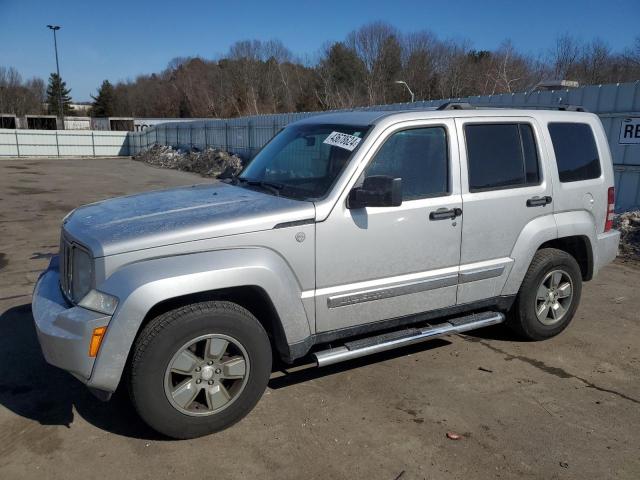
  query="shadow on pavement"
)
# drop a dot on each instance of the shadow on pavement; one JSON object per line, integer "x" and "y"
{"x": 303, "y": 372}
{"x": 499, "y": 332}
{"x": 35, "y": 390}
{"x": 38, "y": 391}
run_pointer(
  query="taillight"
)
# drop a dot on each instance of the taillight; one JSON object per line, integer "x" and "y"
{"x": 611, "y": 206}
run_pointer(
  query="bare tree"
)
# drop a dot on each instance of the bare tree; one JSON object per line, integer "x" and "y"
{"x": 256, "y": 77}
{"x": 20, "y": 97}
{"x": 632, "y": 54}
{"x": 564, "y": 57}
{"x": 377, "y": 46}
{"x": 595, "y": 62}
{"x": 419, "y": 52}
{"x": 509, "y": 71}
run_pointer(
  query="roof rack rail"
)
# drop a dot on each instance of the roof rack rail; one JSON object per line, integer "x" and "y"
{"x": 469, "y": 106}
{"x": 456, "y": 106}
{"x": 532, "y": 106}
{"x": 572, "y": 108}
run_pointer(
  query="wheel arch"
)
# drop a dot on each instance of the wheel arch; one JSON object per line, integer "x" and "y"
{"x": 535, "y": 233}
{"x": 573, "y": 232}
{"x": 579, "y": 247}
{"x": 252, "y": 297}
{"x": 147, "y": 288}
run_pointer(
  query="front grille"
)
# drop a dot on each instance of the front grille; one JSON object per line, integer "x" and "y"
{"x": 66, "y": 268}
{"x": 69, "y": 271}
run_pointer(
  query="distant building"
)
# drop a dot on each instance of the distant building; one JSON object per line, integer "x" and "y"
{"x": 556, "y": 85}
{"x": 81, "y": 108}
{"x": 77, "y": 108}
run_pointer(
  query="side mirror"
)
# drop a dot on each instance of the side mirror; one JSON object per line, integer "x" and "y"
{"x": 376, "y": 191}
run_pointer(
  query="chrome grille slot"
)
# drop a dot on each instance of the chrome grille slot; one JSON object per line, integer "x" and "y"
{"x": 66, "y": 268}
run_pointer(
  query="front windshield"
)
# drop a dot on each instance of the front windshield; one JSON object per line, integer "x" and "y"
{"x": 303, "y": 161}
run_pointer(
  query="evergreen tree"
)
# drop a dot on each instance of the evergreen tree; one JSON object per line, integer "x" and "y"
{"x": 103, "y": 103}
{"x": 58, "y": 88}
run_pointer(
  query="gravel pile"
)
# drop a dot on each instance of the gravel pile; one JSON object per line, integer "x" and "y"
{"x": 629, "y": 225}
{"x": 208, "y": 163}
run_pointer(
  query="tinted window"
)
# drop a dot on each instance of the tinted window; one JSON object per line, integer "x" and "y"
{"x": 419, "y": 156}
{"x": 501, "y": 156}
{"x": 576, "y": 151}
{"x": 530, "y": 153}
{"x": 301, "y": 162}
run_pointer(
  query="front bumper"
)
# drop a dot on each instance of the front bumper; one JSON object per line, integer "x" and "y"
{"x": 64, "y": 331}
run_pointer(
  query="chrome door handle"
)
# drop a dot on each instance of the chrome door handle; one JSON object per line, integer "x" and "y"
{"x": 539, "y": 201}
{"x": 444, "y": 213}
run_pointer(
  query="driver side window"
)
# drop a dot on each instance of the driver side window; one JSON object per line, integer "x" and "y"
{"x": 420, "y": 157}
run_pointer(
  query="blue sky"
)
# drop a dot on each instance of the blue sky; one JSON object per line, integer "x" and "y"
{"x": 120, "y": 39}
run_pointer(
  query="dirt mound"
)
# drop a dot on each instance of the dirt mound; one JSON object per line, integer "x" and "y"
{"x": 629, "y": 225}
{"x": 208, "y": 163}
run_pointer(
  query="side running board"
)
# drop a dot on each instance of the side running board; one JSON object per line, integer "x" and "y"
{"x": 401, "y": 338}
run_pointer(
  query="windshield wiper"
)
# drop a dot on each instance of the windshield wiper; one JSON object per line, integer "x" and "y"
{"x": 273, "y": 187}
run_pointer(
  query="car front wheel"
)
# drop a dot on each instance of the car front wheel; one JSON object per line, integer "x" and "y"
{"x": 199, "y": 369}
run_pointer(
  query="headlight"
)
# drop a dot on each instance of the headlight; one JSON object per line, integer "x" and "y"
{"x": 81, "y": 274}
{"x": 99, "y": 302}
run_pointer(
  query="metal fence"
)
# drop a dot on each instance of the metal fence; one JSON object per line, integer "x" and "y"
{"x": 63, "y": 143}
{"x": 614, "y": 103}
{"x": 244, "y": 136}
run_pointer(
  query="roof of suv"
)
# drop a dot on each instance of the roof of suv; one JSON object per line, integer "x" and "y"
{"x": 371, "y": 117}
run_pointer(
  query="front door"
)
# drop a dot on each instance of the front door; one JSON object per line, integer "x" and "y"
{"x": 378, "y": 263}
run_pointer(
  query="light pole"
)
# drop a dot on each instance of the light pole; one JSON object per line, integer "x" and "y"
{"x": 54, "y": 28}
{"x": 401, "y": 82}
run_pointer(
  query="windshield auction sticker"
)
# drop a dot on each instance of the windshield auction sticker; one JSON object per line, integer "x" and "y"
{"x": 342, "y": 140}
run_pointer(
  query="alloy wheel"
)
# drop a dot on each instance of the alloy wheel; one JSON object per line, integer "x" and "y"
{"x": 206, "y": 375}
{"x": 554, "y": 297}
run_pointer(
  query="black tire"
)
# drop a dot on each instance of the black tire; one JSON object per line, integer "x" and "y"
{"x": 522, "y": 318}
{"x": 163, "y": 336}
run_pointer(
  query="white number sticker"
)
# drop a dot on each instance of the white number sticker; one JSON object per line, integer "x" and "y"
{"x": 342, "y": 140}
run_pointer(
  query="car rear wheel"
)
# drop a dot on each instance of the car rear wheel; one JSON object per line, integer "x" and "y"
{"x": 199, "y": 369}
{"x": 549, "y": 295}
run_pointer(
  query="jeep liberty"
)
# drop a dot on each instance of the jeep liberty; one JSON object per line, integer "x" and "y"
{"x": 346, "y": 235}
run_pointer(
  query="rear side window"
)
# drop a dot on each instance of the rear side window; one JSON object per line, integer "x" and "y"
{"x": 501, "y": 156}
{"x": 576, "y": 151}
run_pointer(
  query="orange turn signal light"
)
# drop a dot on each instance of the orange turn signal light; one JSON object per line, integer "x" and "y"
{"x": 96, "y": 340}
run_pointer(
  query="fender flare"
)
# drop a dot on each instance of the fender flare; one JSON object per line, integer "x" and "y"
{"x": 142, "y": 285}
{"x": 544, "y": 229}
{"x": 580, "y": 223}
{"x": 535, "y": 233}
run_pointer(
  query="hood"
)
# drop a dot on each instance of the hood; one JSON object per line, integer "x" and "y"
{"x": 176, "y": 215}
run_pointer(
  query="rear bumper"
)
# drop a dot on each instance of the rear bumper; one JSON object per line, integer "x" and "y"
{"x": 606, "y": 249}
{"x": 64, "y": 331}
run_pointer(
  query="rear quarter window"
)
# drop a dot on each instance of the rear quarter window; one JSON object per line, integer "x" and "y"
{"x": 576, "y": 151}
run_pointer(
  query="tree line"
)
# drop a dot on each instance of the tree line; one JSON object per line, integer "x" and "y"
{"x": 33, "y": 96}
{"x": 259, "y": 77}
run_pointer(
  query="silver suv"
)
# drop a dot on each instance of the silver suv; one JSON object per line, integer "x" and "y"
{"x": 348, "y": 234}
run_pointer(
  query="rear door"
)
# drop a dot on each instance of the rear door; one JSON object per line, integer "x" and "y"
{"x": 504, "y": 187}
{"x": 580, "y": 151}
